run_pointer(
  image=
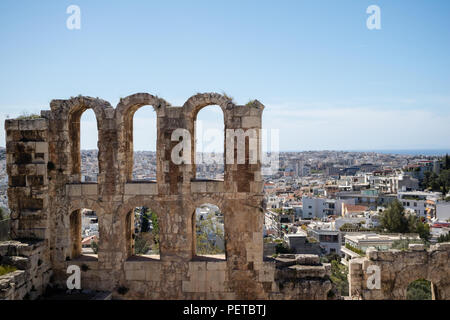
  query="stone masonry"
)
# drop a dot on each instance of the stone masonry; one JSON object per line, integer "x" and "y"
{"x": 46, "y": 195}
{"x": 398, "y": 269}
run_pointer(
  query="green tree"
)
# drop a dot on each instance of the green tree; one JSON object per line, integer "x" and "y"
{"x": 444, "y": 237}
{"x": 2, "y": 214}
{"x": 94, "y": 247}
{"x": 155, "y": 230}
{"x": 339, "y": 273}
{"x": 393, "y": 218}
{"x": 416, "y": 225}
{"x": 419, "y": 290}
{"x": 444, "y": 181}
{"x": 447, "y": 162}
{"x": 207, "y": 226}
{"x": 142, "y": 243}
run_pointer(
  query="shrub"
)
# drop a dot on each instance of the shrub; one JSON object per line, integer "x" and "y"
{"x": 28, "y": 116}
{"x": 354, "y": 249}
{"x": 94, "y": 246}
{"x": 4, "y": 269}
{"x": 444, "y": 238}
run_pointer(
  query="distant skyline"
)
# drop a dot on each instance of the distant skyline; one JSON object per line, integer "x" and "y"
{"x": 328, "y": 83}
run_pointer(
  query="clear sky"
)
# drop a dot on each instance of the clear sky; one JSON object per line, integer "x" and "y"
{"x": 327, "y": 81}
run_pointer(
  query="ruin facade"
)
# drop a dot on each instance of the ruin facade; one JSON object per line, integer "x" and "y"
{"x": 46, "y": 195}
{"x": 397, "y": 269}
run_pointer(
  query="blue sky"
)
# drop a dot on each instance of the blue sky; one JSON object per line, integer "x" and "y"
{"x": 326, "y": 80}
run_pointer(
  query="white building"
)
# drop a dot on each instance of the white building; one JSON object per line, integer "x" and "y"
{"x": 363, "y": 241}
{"x": 314, "y": 207}
{"x": 416, "y": 201}
{"x": 326, "y": 235}
{"x": 443, "y": 211}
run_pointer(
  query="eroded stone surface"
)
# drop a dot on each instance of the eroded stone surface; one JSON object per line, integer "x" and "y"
{"x": 398, "y": 269}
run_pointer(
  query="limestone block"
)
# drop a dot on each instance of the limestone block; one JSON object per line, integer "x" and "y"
{"x": 307, "y": 259}
{"x": 198, "y": 187}
{"x": 416, "y": 247}
{"x": 132, "y": 189}
{"x": 135, "y": 275}
{"x": 41, "y": 147}
{"x": 251, "y": 122}
{"x": 445, "y": 246}
{"x": 187, "y": 286}
{"x": 11, "y": 124}
{"x": 148, "y": 188}
{"x": 89, "y": 189}
{"x": 153, "y": 274}
{"x": 34, "y": 124}
{"x": 73, "y": 190}
{"x": 214, "y": 186}
{"x": 213, "y": 265}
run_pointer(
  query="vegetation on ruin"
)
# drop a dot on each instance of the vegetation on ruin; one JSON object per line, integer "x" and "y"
{"x": 252, "y": 103}
{"x": 227, "y": 96}
{"x": 339, "y": 273}
{"x": 283, "y": 248}
{"x": 28, "y": 116}
{"x": 4, "y": 269}
{"x": 419, "y": 290}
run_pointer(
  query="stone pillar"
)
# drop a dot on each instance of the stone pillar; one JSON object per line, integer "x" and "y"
{"x": 27, "y": 158}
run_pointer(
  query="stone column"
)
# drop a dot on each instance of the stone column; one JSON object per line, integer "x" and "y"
{"x": 27, "y": 158}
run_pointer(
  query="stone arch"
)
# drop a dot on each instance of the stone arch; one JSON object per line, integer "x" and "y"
{"x": 192, "y": 107}
{"x": 197, "y": 102}
{"x": 399, "y": 268}
{"x": 123, "y": 214}
{"x": 202, "y": 200}
{"x": 71, "y": 110}
{"x": 74, "y": 228}
{"x": 85, "y": 203}
{"x": 124, "y": 114}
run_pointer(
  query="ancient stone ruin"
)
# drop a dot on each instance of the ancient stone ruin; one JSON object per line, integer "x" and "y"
{"x": 46, "y": 195}
{"x": 397, "y": 269}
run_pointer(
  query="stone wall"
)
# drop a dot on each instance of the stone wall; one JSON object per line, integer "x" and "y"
{"x": 398, "y": 269}
{"x": 46, "y": 195}
{"x": 33, "y": 273}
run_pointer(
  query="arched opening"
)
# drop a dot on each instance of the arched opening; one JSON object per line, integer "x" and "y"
{"x": 143, "y": 144}
{"x": 208, "y": 233}
{"x": 88, "y": 147}
{"x": 142, "y": 233}
{"x": 420, "y": 289}
{"x": 84, "y": 234}
{"x": 209, "y": 143}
